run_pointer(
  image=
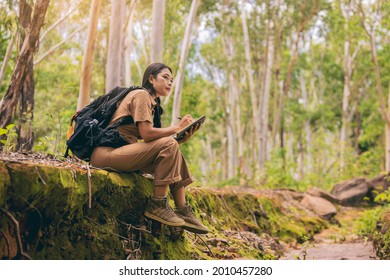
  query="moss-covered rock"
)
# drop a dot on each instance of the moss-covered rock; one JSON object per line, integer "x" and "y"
{"x": 51, "y": 203}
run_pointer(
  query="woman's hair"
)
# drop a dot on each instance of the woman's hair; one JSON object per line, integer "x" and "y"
{"x": 153, "y": 70}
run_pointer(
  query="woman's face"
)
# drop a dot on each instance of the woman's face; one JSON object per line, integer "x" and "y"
{"x": 162, "y": 84}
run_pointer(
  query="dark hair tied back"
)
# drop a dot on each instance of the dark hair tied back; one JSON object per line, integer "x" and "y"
{"x": 153, "y": 70}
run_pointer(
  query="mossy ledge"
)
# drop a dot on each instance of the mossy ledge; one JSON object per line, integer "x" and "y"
{"x": 50, "y": 202}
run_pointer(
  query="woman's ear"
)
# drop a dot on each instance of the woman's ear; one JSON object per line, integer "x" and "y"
{"x": 151, "y": 79}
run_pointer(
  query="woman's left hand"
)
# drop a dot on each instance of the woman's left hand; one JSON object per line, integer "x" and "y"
{"x": 189, "y": 133}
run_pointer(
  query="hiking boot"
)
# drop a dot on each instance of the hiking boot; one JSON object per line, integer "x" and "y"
{"x": 191, "y": 222}
{"x": 160, "y": 211}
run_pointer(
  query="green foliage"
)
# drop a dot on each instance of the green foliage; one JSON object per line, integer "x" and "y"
{"x": 383, "y": 197}
{"x": 8, "y": 137}
{"x": 367, "y": 223}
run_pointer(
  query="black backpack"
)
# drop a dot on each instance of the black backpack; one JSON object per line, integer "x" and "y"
{"x": 91, "y": 128}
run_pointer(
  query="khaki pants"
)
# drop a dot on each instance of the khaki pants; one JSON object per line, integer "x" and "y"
{"x": 161, "y": 158}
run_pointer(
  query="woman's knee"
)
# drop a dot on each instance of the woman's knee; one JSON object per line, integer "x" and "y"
{"x": 169, "y": 142}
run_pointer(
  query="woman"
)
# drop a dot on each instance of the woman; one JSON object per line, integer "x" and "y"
{"x": 158, "y": 154}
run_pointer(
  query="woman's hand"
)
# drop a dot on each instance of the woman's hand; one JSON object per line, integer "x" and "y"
{"x": 184, "y": 122}
{"x": 189, "y": 133}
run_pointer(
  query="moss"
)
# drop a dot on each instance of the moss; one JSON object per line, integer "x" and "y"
{"x": 51, "y": 204}
{"x": 376, "y": 225}
{"x": 5, "y": 181}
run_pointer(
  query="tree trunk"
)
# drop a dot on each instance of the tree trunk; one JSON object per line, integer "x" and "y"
{"x": 157, "y": 30}
{"x": 264, "y": 104}
{"x": 308, "y": 165}
{"x": 256, "y": 130}
{"x": 115, "y": 45}
{"x": 240, "y": 161}
{"x": 183, "y": 59}
{"x": 129, "y": 45}
{"x": 347, "y": 68}
{"x": 26, "y": 102}
{"x": 387, "y": 146}
{"x": 23, "y": 67}
{"x": 288, "y": 79}
{"x": 285, "y": 89}
{"x": 346, "y": 96}
{"x": 7, "y": 56}
{"x": 86, "y": 71}
{"x": 383, "y": 108}
{"x": 230, "y": 110}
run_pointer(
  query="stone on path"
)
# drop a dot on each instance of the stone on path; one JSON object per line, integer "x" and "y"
{"x": 314, "y": 191}
{"x": 320, "y": 206}
{"x": 344, "y": 251}
{"x": 352, "y": 192}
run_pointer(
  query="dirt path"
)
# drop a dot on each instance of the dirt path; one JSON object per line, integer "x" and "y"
{"x": 343, "y": 251}
{"x": 336, "y": 242}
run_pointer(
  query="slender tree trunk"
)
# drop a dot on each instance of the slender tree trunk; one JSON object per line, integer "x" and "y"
{"x": 287, "y": 81}
{"x": 276, "y": 77}
{"x": 384, "y": 110}
{"x": 308, "y": 165}
{"x": 157, "y": 30}
{"x": 26, "y": 102}
{"x": 23, "y": 68}
{"x": 286, "y": 87}
{"x": 347, "y": 68}
{"x": 86, "y": 70}
{"x": 264, "y": 104}
{"x": 370, "y": 30}
{"x": 183, "y": 59}
{"x": 129, "y": 44}
{"x": 346, "y": 96}
{"x": 240, "y": 161}
{"x": 301, "y": 160}
{"x": 7, "y": 56}
{"x": 115, "y": 44}
{"x": 256, "y": 132}
{"x": 230, "y": 112}
{"x": 387, "y": 146}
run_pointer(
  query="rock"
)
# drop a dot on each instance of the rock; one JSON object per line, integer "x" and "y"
{"x": 320, "y": 206}
{"x": 379, "y": 184}
{"x": 314, "y": 191}
{"x": 352, "y": 192}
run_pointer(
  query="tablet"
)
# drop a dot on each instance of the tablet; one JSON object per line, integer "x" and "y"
{"x": 181, "y": 133}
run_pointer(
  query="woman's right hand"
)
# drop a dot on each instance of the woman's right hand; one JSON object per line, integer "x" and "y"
{"x": 184, "y": 122}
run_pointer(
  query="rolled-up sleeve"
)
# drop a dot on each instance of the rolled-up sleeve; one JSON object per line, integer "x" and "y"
{"x": 141, "y": 107}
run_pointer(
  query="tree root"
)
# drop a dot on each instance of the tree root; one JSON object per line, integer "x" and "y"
{"x": 17, "y": 233}
{"x": 7, "y": 243}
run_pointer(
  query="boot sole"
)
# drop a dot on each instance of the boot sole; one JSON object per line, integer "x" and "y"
{"x": 158, "y": 219}
{"x": 195, "y": 229}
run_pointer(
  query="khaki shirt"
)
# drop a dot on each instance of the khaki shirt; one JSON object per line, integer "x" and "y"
{"x": 140, "y": 105}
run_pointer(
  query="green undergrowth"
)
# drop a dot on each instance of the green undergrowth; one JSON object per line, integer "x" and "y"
{"x": 375, "y": 224}
{"x": 52, "y": 206}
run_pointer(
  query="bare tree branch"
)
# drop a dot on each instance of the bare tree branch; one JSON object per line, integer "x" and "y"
{"x": 59, "y": 21}
{"x": 52, "y": 49}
